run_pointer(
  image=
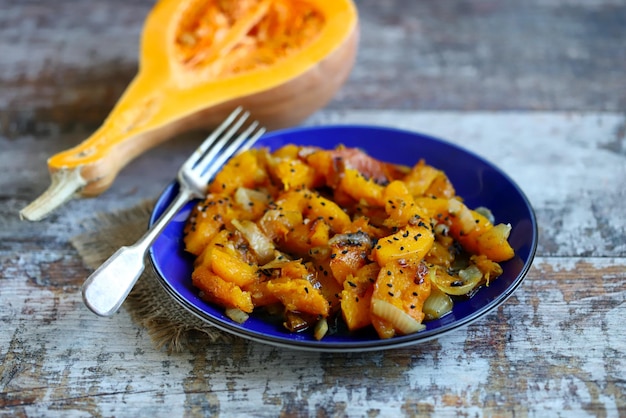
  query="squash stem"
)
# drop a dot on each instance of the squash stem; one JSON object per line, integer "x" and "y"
{"x": 65, "y": 183}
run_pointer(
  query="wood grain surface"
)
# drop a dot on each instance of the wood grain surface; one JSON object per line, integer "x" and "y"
{"x": 536, "y": 87}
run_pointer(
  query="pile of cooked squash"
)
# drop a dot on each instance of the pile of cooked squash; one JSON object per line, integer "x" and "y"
{"x": 312, "y": 235}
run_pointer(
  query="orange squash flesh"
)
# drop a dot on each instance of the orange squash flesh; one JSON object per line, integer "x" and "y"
{"x": 356, "y": 297}
{"x": 404, "y": 286}
{"x": 220, "y": 291}
{"x": 281, "y": 60}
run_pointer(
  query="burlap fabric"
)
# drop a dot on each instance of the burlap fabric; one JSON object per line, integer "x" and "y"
{"x": 168, "y": 324}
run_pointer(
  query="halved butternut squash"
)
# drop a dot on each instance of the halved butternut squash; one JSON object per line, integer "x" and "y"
{"x": 199, "y": 59}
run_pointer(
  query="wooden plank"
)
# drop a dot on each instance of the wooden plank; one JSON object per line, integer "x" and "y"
{"x": 65, "y": 59}
{"x": 533, "y": 355}
{"x": 493, "y": 55}
{"x": 553, "y": 72}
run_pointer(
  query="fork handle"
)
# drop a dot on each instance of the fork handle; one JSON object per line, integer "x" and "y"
{"x": 107, "y": 287}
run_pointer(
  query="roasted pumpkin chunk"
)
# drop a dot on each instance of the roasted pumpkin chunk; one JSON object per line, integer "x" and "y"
{"x": 243, "y": 170}
{"x": 399, "y": 294}
{"x": 356, "y": 296}
{"x": 298, "y": 295}
{"x": 222, "y": 292}
{"x": 207, "y": 219}
{"x": 410, "y": 242}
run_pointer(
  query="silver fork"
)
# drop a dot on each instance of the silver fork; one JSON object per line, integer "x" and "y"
{"x": 108, "y": 286}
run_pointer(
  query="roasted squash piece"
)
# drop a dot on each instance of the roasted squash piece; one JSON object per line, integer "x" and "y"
{"x": 478, "y": 235}
{"x": 207, "y": 219}
{"x": 379, "y": 171}
{"x": 494, "y": 243}
{"x": 299, "y": 295}
{"x": 323, "y": 280}
{"x": 363, "y": 224}
{"x": 221, "y": 240}
{"x": 325, "y": 166}
{"x": 489, "y": 268}
{"x": 321, "y": 207}
{"x": 219, "y": 291}
{"x": 399, "y": 294}
{"x": 425, "y": 180}
{"x": 464, "y": 222}
{"x": 349, "y": 252}
{"x": 319, "y": 233}
{"x": 286, "y": 152}
{"x": 292, "y": 200}
{"x": 441, "y": 187}
{"x": 360, "y": 188}
{"x": 433, "y": 207}
{"x": 261, "y": 294}
{"x": 404, "y": 285}
{"x": 232, "y": 268}
{"x": 419, "y": 179}
{"x": 297, "y": 241}
{"x": 400, "y": 206}
{"x": 290, "y": 171}
{"x": 295, "y": 174}
{"x": 356, "y": 297}
{"x": 292, "y": 234}
{"x": 296, "y": 291}
{"x": 243, "y": 170}
{"x": 410, "y": 243}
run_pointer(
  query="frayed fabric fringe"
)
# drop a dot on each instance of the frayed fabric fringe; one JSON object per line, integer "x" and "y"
{"x": 168, "y": 324}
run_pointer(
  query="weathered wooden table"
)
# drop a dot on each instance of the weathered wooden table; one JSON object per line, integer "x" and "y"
{"x": 537, "y": 87}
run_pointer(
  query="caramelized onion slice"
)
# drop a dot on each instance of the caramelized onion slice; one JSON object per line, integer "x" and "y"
{"x": 466, "y": 281}
{"x": 321, "y": 328}
{"x": 237, "y": 315}
{"x": 437, "y": 304}
{"x": 246, "y": 197}
{"x": 400, "y": 320}
{"x": 259, "y": 242}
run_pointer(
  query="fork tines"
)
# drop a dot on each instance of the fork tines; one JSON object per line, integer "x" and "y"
{"x": 226, "y": 140}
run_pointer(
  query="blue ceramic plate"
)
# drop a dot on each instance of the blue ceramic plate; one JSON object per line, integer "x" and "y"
{"x": 476, "y": 180}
